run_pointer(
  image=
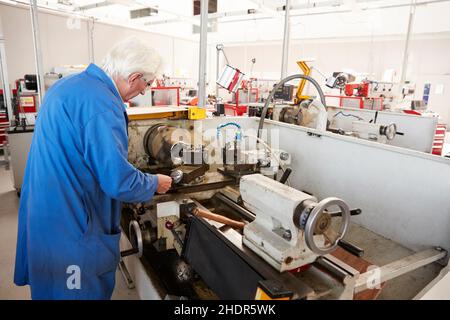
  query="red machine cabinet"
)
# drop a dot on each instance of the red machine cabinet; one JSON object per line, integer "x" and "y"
{"x": 357, "y": 89}
{"x": 239, "y": 108}
{"x": 4, "y": 123}
{"x": 439, "y": 139}
{"x": 3, "y": 127}
{"x": 165, "y": 96}
{"x": 359, "y": 102}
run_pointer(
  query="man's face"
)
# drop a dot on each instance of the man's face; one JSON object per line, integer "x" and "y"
{"x": 137, "y": 84}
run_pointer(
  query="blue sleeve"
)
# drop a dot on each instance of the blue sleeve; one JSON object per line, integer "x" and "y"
{"x": 106, "y": 153}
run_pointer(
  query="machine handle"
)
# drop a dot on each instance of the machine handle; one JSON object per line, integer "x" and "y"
{"x": 170, "y": 226}
{"x": 129, "y": 252}
{"x": 285, "y": 175}
{"x": 136, "y": 240}
{"x": 317, "y": 222}
{"x": 353, "y": 212}
{"x": 219, "y": 218}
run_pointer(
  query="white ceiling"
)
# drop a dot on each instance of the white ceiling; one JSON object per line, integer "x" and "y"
{"x": 310, "y": 19}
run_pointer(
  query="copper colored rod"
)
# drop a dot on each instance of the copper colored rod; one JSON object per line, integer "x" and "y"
{"x": 219, "y": 218}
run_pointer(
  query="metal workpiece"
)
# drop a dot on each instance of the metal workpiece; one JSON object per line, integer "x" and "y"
{"x": 291, "y": 115}
{"x": 162, "y": 145}
{"x": 171, "y": 146}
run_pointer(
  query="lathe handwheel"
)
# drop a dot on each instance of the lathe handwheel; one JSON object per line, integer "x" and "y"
{"x": 389, "y": 131}
{"x": 136, "y": 237}
{"x": 318, "y": 214}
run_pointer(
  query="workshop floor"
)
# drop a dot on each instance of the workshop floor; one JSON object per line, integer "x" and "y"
{"x": 378, "y": 250}
{"x": 9, "y": 203}
{"x": 381, "y": 251}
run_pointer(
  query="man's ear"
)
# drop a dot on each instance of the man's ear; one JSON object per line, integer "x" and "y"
{"x": 133, "y": 77}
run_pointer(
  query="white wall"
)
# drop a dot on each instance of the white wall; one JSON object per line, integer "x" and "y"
{"x": 439, "y": 95}
{"x": 428, "y": 60}
{"x": 308, "y": 24}
{"x": 428, "y": 56}
{"x": 65, "y": 41}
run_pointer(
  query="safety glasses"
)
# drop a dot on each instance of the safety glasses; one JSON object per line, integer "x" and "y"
{"x": 148, "y": 82}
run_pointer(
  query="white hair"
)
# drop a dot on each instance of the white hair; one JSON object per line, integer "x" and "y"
{"x": 130, "y": 56}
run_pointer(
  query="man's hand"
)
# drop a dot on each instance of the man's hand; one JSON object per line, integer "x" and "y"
{"x": 164, "y": 183}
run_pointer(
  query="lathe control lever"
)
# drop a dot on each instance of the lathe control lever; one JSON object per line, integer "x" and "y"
{"x": 353, "y": 212}
{"x": 135, "y": 239}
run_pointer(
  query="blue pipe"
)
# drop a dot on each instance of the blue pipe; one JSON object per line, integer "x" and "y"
{"x": 238, "y": 133}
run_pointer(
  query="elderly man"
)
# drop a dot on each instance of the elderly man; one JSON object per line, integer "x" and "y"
{"x": 77, "y": 175}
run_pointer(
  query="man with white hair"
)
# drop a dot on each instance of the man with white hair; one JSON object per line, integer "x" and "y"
{"x": 77, "y": 176}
